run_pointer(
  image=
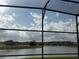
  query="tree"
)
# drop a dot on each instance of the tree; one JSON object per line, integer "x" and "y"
{"x": 9, "y": 42}
{"x": 33, "y": 43}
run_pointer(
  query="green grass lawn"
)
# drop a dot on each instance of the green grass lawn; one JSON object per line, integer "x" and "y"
{"x": 53, "y": 58}
{"x": 18, "y": 47}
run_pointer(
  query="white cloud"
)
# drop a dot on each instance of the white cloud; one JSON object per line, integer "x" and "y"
{"x": 37, "y": 19}
{"x": 60, "y": 26}
{"x": 68, "y": 26}
{"x": 2, "y": 9}
{"x": 13, "y": 14}
{"x": 22, "y": 34}
{"x": 5, "y": 20}
{"x": 57, "y": 15}
{"x": 36, "y": 25}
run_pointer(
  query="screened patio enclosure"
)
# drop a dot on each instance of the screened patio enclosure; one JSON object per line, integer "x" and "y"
{"x": 27, "y": 20}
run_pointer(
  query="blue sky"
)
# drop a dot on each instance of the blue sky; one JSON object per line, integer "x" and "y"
{"x": 64, "y": 6}
{"x": 34, "y": 3}
{"x": 17, "y": 18}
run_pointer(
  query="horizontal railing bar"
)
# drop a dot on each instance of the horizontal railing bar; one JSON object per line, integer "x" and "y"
{"x": 38, "y": 31}
{"x": 60, "y": 32}
{"x": 37, "y": 8}
{"x": 14, "y": 6}
{"x": 20, "y": 30}
{"x": 62, "y": 54}
{"x": 61, "y": 12}
{"x": 71, "y": 1}
{"x": 38, "y": 54}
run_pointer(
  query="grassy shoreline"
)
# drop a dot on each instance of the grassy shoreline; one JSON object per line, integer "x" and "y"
{"x": 10, "y": 44}
{"x": 52, "y": 58}
{"x": 22, "y": 47}
{"x": 19, "y": 47}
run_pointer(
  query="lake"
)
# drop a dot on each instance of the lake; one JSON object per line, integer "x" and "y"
{"x": 47, "y": 49}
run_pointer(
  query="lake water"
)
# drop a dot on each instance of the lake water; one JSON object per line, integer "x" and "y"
{"x": 47, "y": 49}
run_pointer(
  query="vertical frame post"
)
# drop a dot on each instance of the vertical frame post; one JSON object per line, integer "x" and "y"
{"x": 77, "y": 35}
{"x": 43, "y": 14}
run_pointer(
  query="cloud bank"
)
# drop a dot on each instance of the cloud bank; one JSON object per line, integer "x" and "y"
{"x": 6, "y": 21}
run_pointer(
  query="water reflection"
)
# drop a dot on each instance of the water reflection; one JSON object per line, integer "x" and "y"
{"x": 47, "y": 49}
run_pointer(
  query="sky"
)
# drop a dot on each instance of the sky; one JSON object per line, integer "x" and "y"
{"x": 17, "y": 18}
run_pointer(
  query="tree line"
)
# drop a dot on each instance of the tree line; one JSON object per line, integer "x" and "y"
{"x": 34, "y": 43}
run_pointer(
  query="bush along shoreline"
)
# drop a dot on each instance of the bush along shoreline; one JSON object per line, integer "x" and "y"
{"x": 10, "y": 44}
